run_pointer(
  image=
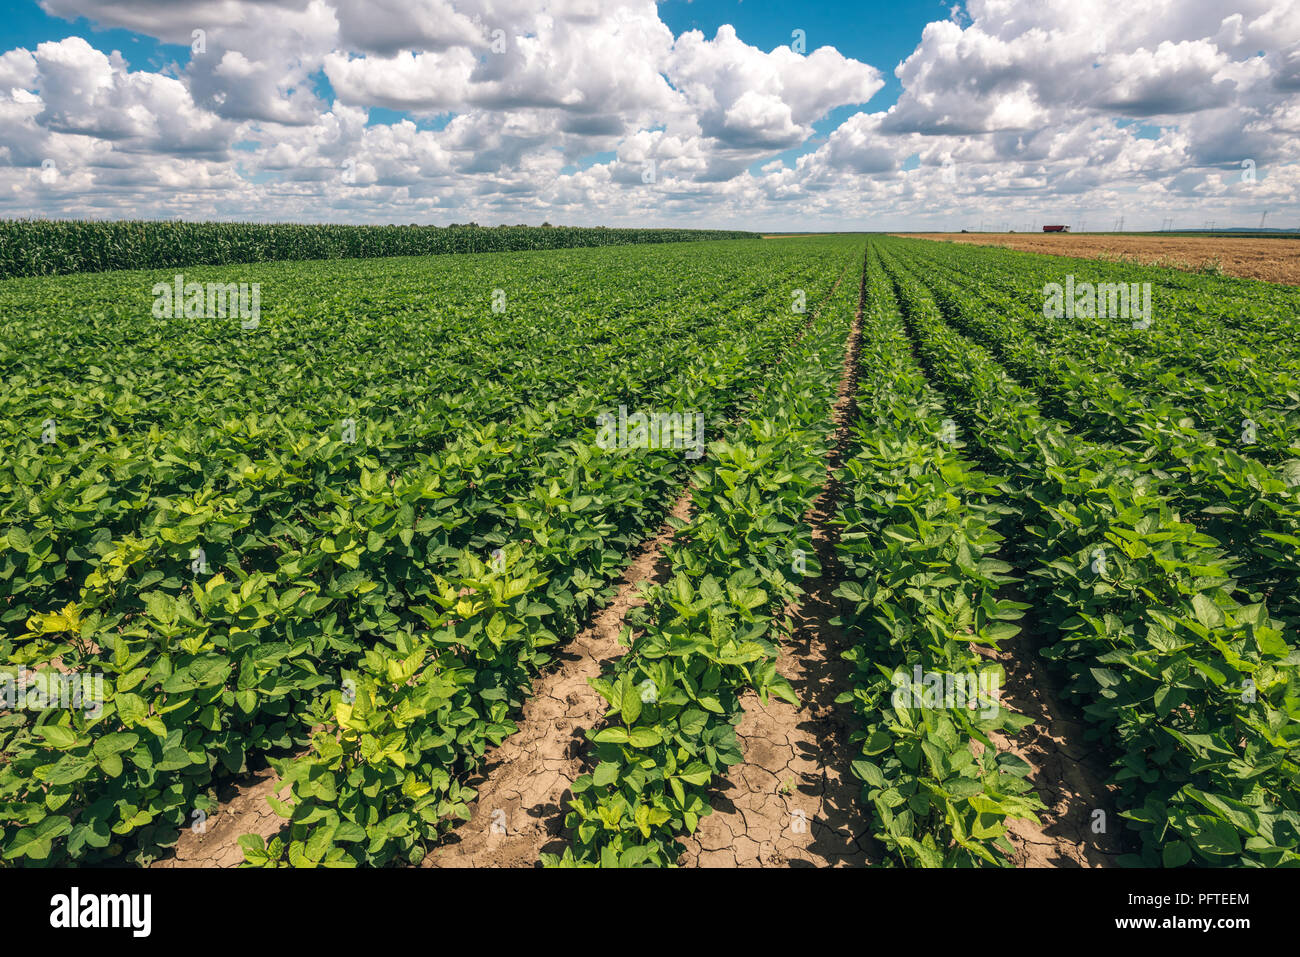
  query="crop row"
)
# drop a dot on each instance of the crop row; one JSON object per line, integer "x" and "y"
{"x": 710, "y": 632}
{"x": 1188, "y": 679}
{"x": 42, "y": 247}
{"x": 922, "y": 577}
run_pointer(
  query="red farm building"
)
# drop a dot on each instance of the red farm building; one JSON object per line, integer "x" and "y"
{"x": 1056, "y": 229}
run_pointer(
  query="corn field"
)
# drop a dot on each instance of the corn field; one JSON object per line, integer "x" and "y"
{"x": 37, "y": 247}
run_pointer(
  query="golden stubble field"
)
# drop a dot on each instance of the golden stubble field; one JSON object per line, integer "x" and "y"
{"x": 1274, "y": 260}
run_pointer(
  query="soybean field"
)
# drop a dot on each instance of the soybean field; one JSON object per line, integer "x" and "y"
{"x": 828, "y": 550}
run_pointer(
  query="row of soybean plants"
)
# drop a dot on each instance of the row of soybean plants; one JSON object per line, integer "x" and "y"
{"x": 1167, "y": 352}
{"x": 1188, "y": 680}
{"x": 1187, "y": 441}
{"x": 710, "y": 632}
{"x": 1212, "y": 309}
{"x": 1235, "y": 334}
{"x": 227, "y": 605}
{"x": 136, "y": 440}
{"x": 41, "y": 247}
{"x": 368, "y": 788}
{"x": 922, "y": 576}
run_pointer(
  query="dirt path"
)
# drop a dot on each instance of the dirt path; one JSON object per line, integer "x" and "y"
{"x": 523, "y": 790}
{"x": 214, "y": 842}
{"x": 792, "y": 802}
{"x": 1068, "y": 775}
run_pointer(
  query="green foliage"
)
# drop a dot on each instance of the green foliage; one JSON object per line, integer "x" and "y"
{"x": 42, "y": 247}
{"x": 326, "y": 562}
{"x": 709, "y": 633}
{"x": 368, "y": 616}
{"x": 1170, "y": 651}
{"x": 921, "y": 583}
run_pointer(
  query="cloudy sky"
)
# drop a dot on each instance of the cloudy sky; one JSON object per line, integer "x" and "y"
{"x": 753, "y": 114}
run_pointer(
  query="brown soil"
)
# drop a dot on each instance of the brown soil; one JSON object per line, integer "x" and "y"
{"x": 792, "y": 802}
{"x": 215, "y": 842}
{"x": 1068, "y": 775}
{"x": 523, "y": 790}
{"x": 1273, "y": 260}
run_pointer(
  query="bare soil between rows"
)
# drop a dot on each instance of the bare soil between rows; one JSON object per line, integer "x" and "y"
{"x": 1068, "y": 775}
{"x": 243, "y": 809}
{"x": 792, "y": 801}
{"x": 1272, "y": 260}
{"x": 524, "y": 788}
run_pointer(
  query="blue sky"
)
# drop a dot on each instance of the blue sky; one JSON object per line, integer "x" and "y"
{"x": 764, "y": 23}
{"x": 25, "y": 24}
{"x": 769, "y": 23}
{"x": 614, "y": 111}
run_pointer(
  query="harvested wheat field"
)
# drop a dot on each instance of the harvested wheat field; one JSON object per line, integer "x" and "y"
{"x": 1270, "y": 259}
